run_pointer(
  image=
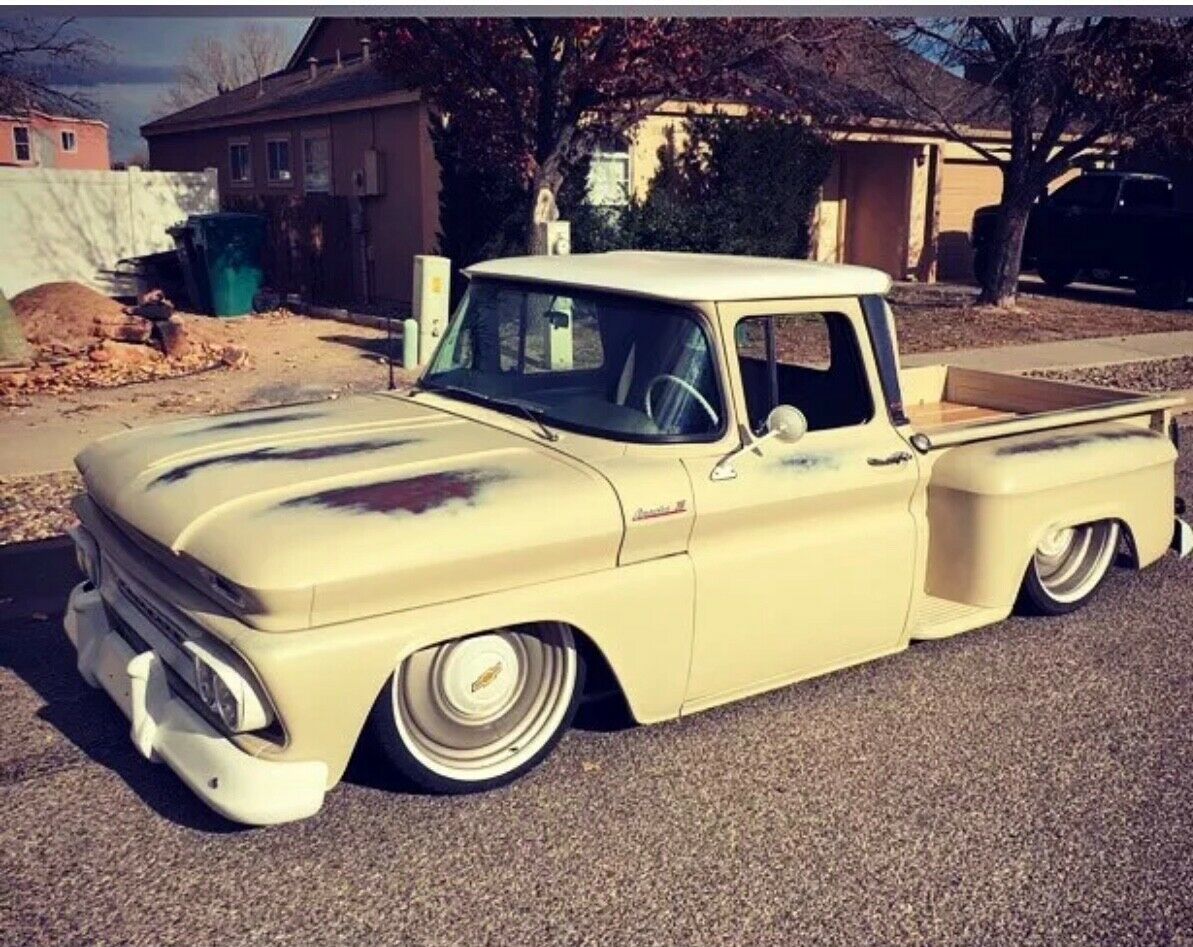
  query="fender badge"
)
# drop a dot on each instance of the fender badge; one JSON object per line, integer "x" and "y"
{"x": 487, "y": 677}
{"x": 654, "y": 512}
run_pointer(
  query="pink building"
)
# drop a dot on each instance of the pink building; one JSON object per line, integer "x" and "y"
{"x": 34, "y": 139}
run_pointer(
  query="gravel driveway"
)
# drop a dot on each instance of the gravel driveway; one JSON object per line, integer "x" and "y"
{"x": 1031, "y": 783}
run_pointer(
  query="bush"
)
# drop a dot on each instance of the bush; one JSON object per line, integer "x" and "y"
{"x": 741, "y": 186}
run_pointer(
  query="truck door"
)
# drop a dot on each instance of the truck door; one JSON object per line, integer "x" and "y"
{"x": 804, "y": 558}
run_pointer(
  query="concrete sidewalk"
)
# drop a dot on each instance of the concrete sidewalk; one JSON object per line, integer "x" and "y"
{"x": 52, "y": 446}
{"x": 1077, "y": 353}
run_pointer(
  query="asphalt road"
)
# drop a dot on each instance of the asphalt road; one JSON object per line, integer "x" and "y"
{"x": 1030, "y": 783}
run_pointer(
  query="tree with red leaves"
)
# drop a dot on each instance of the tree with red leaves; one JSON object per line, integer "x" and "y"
{"x": 538, "y": 93}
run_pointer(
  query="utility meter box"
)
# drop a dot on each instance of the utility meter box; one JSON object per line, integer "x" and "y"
{"x": 432, "y": 282}
{"x": 369, "y": 179}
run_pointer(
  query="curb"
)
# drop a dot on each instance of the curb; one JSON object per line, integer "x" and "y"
{"x": 384, "y": 323}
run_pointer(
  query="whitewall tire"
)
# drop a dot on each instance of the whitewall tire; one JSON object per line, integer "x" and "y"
{"x": 1068, "y": 566}
{"x": 478, "y": 712}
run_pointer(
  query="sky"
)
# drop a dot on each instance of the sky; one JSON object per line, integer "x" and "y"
{"x": 141, "y": 64}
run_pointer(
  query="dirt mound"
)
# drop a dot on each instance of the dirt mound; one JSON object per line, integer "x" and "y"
{"x": 72, "y": 317}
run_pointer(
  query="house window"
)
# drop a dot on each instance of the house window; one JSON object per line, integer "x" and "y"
{"x": 239, "y": 162}
{"x": 277, "y": 160}
{"x": 21, "y": 145}
{"x": 316, "y": 164}
{"x": 69, "y": 143}
{"x": 609, "y": 179}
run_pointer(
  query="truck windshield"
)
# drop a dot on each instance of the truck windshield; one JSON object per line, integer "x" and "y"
{"x": 1090, "y": 190}
{"x": 613, "y": 366}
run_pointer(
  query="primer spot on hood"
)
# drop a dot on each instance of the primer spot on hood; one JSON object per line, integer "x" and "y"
{"x": 415, "y": 495}
{"x": 1070, "y": 441}
{"x": 270, "y": 454}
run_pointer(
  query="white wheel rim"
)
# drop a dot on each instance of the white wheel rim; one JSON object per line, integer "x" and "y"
{"x": 479, "y": 707}
{"x": 1071, "y": 560}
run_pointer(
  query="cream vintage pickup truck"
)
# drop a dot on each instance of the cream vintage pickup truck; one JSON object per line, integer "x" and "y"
{"x": 703, "y": 476}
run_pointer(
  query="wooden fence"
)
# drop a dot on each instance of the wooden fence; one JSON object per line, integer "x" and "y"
{"x": 308, "y": 244}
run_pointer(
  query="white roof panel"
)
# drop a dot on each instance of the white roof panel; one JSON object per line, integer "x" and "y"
{"x": 690, "y": 277}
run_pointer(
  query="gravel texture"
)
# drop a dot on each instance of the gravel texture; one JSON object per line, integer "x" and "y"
{"x": 1168, "y": 374}
{"x": 936, "y": 317}
{"x": 1027, "y": 784}
{"x": 37, "y": 507}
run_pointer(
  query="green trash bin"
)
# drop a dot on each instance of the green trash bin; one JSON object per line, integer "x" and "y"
{"x": 221, "y": 256}
{"x": 229, "y": 246}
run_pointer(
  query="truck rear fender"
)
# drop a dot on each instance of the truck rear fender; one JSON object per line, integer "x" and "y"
{"x": 990, "y": 503}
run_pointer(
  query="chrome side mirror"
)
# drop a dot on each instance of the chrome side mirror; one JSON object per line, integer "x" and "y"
{"x": 784, "y": 424}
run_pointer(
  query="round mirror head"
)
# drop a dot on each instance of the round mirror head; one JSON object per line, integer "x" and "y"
{"x": 786, "y": 423}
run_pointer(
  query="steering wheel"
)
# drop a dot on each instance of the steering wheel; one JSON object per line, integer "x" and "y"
{"x": 686, "y": 386}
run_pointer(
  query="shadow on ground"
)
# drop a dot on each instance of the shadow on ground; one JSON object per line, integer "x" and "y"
{"x": 371, "y": 348}
{"x": 35, "y": 581}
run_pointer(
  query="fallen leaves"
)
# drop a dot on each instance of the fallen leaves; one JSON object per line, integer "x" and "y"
{"x": 37, "y": 506}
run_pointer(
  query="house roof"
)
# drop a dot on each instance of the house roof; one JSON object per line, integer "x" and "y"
{"x": 878, "y": 80}
{"x": 288, "y": 93}
{"x": 690, "y": 277}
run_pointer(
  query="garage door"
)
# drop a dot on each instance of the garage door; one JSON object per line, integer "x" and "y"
{"x": 965, "y": 186}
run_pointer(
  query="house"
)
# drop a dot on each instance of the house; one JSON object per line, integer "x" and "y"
{"x": 329, "y": 126}
{"x": 900, "y": 195}
{"x": 35, "y": 139}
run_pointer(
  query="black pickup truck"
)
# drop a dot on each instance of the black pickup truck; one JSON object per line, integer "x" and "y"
{"x": 1106, "y": 226}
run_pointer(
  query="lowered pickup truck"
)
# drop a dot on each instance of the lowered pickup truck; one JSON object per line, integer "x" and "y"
{"x": 1105, "y": 226}
{"x": 698, "y": 477}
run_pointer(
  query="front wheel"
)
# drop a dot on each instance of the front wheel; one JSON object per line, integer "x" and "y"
{"x": 1056, "y": 275}
{"x": 1068, "y": 566}
{"x": 478, "y": 712}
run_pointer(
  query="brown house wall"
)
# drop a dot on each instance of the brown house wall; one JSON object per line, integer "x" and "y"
{"x": 336, "y": 32}
{"x": 398, "y": 224}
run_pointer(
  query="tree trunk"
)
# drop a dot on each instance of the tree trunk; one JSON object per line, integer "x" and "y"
{"x": 544, "y": 209}
{"x": 1000, "y": 278}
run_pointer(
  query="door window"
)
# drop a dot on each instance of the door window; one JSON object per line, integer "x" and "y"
{"x": 1146, "y": 193}
{"x": 810, "y": 361}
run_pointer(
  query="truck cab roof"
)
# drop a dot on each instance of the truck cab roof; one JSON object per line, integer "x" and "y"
{"x": 689, "y": 277}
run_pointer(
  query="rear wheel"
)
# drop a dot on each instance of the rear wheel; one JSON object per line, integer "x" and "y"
{"x": 1056, "y": 275}
{"x": 1068, "y": 566}
{"x": 1162, "y": 292}
{"x": 476, "y": 713}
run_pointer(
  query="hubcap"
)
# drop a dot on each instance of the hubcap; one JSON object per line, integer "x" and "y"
{"x": 479, "y": 707}
{"x": 479, "y": 677}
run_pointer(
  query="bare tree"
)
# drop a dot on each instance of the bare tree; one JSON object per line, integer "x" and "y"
{"x": 1060, "y": 85}
{"x": 213, "y": 66}
{"x": 35, "y": 49}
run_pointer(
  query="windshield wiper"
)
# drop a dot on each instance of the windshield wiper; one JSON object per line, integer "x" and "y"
{"x": 531, "y": 414}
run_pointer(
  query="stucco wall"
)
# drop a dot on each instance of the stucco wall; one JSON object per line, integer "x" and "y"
{"x": 45, "y": 132}
{"x": 74, "y": 225}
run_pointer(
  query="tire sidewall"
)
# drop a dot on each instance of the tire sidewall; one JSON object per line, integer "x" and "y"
{"x": 1034, "y": 599}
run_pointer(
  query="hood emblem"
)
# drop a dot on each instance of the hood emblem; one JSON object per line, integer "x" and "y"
{"x": 488, "y": 676}
{"x": 664, "y": 509}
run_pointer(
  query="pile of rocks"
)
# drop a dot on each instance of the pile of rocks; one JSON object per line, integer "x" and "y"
{"x": 83, "y": 339}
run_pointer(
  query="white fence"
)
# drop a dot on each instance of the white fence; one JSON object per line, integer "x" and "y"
{"x": 75, "y": 225}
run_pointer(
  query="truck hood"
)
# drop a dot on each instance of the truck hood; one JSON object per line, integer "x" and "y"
{"x": 330, "y": 511}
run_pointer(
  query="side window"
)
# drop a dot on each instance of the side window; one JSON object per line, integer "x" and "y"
{"x": 811, "y": 361}
{"x": 1142, "y": 193}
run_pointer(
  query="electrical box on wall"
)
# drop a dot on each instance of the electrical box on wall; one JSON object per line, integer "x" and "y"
{"x": 369, "y": 179}
{"x": 432, "y": 289}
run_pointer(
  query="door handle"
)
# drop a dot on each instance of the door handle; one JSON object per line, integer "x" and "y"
{"x": 899, "y": 457}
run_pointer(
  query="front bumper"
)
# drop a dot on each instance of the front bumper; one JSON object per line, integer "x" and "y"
{"x": 233, "y": 783}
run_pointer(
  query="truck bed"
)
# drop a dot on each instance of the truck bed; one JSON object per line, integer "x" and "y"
{"x": 951, "y": 405}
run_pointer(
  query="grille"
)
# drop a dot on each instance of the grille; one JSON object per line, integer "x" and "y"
{"x": 162, "y": 622}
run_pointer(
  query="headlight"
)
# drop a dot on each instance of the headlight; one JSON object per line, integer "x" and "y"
{"x": 86, "y": 553}
{"x": 226, "y": 692}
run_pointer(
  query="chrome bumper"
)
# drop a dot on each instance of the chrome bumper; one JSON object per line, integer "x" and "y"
{"x": 164, "y": 728}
